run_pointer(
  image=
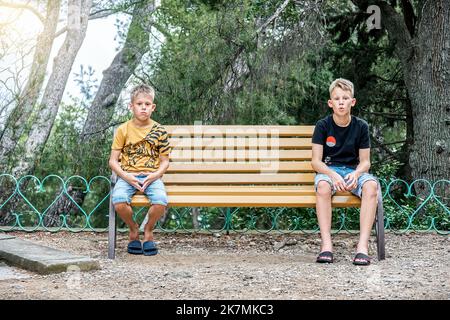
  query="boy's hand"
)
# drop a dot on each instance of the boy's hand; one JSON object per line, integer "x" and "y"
{"x": 132, "y": 180}
{"x": 151, "y": 176}
{"x": 338, "y": 182}
{"x": 352, "y": 180}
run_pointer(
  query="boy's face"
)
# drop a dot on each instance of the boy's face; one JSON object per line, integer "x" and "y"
{"x": 142, "y": 106}
{"x": 341, "y": 101}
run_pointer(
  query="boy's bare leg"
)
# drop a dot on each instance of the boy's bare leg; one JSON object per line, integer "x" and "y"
{"x": 323, "y": 211}
{"x": 367, "y": 215}
{"x": 155, "y": 212}
{"x": 125, "y": 212}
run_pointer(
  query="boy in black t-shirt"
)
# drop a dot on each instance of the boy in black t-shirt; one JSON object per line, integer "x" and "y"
{"x": 341, "y": 158}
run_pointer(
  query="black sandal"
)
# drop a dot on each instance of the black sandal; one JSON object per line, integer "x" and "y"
{"x": 364, "y": 260}
{"x": 325, "y": 257}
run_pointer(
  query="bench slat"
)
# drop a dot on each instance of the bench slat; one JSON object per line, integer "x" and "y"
{"x": 238, "y": 167}
{"x": 239, "y": 155}
{"x": 251, "y": 130}
{"x": 239, "y": 143}
{"x": 243, "y": 178}
{"x": 241, "y": 190}
{"x": 307, "y": 201}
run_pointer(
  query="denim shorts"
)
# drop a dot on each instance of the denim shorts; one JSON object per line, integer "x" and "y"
{"x": 123, "y": 191}
{"x": 343, "y": 171}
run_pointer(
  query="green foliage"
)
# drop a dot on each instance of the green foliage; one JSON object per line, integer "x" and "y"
{"x": 387, "y": 170}
{"x": 216, "y": 68}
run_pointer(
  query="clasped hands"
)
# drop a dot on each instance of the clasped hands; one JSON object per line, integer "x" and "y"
{"x": 348, "y": 183}
{"x": 132, "y": 179}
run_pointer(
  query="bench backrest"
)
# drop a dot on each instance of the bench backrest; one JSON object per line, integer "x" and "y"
{"x": 240, "y": 155}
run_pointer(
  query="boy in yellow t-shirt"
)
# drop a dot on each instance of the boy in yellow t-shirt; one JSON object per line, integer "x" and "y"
{"x": 142, "y": 145}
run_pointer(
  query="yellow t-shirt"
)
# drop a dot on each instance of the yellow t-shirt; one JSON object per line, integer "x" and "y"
{"x": 141, "y": 147}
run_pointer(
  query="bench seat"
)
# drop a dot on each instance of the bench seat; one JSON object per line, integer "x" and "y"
{"x": 246, "y": 196}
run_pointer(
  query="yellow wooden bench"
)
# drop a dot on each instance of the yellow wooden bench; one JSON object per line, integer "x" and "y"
{"x": 243, "y": 166}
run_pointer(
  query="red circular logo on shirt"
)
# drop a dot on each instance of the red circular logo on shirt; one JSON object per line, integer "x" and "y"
{"x": 331, "y": 141}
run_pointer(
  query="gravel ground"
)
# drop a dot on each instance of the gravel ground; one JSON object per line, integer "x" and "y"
{"x": 236, "y": 266}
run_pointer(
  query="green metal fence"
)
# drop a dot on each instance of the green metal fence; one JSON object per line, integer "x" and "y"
{"x": 76, "y": 204}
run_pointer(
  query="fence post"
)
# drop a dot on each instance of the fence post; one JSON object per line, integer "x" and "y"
{"x": 228, "y": 220}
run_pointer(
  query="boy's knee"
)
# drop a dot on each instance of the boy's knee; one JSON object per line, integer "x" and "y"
{"x": 370, "y": 189}
{"x": 159, "y": 206}
{"x": 121, "y": 206}
{"x": 323, "y": 189}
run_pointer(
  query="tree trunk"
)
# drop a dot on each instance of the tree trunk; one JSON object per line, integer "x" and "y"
{"x": 425, "y": 59}
{"x": 26, "y": 158}
{"x": 428, "y": 83}
{"x": 77, "y": 22}
{"x": 405, "y": 170}
{"x": 18, "y": 119}
{"x": 78, "y": 14}
{"x": 195, "y": 214}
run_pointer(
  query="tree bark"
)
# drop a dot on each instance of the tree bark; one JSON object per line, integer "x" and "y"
{"x": 405, "y": 170}
{"x": 26, "y": 158}
{"x": 40, "y": 130}
{"x": 425, "y": 60}
{"x": 18, "y": 119}
{"x": 428, "y": 83}
{"x": 17, "y": 123}
{"x": 426, "y": 65}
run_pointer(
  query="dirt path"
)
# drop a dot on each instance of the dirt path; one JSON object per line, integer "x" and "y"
{"x": 242, "y": 267}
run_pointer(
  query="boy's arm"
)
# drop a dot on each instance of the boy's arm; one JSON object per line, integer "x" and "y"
{"x": 364, "y": 161}
{"x": 115, "y": 166}
{"x": 363, "y": 166}
{"x": 163, "y": 165}
{"x": 320, "y": 167}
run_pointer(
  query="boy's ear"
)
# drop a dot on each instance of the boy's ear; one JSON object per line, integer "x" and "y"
{"x": 330, "y": 103}
{"x": 353, "y": 102}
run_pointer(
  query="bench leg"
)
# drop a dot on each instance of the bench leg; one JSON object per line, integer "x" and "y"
{"x": 112, "y": 231}
{"x": 379, "y": 227}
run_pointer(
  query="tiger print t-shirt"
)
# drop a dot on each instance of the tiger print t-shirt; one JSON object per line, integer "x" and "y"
{"x": 141, "y": 147}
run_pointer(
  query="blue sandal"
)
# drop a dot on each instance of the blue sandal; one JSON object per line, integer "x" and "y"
{"x": 135, "y": 247}
{"x": 149, "y": 248}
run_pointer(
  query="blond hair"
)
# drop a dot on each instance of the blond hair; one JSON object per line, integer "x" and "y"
{"x": 142, "y": 88}
{"x": 344, "y": 84}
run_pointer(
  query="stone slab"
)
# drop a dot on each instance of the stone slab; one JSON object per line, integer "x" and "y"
{"x": 42, "y": 259}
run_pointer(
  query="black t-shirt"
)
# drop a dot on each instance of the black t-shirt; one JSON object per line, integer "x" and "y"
{"x": 341, "y": 144}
